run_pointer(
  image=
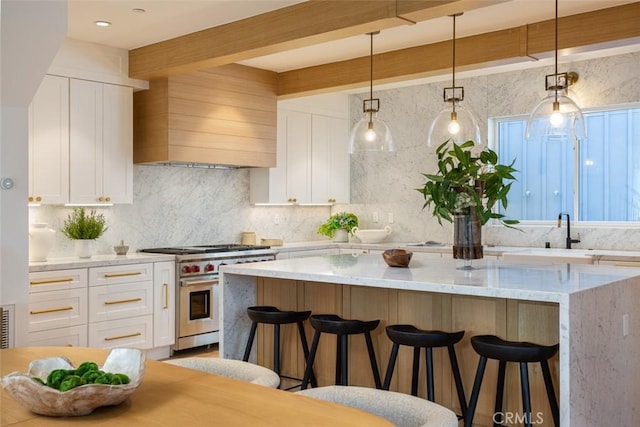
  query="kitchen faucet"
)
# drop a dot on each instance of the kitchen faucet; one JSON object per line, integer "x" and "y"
{"x": 569, "y": 239}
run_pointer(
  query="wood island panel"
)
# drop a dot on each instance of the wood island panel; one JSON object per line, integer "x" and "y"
{"x": 510, "y": 319}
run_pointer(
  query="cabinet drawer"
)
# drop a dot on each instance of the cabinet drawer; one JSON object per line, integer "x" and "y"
{"x": 74, "y": 336}
{"x": 120, "y": 301}
{"x": 57, "y": 309}
{"x": 45, "y": 281}
{"x": 129, "y": 273}
{"x": 134, "y": 332}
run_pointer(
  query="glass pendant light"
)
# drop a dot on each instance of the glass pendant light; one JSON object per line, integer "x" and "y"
{"x": 454, "y": 122}
{"x": 557, "y": 117}
{"x": 371, "y": 133}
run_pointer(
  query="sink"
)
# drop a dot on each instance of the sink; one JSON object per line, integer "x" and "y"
{"x": 555, "y": 255}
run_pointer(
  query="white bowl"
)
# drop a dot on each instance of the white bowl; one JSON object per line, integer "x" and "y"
{"x": 82, "y": 400}
{"x": 371, "y": 235}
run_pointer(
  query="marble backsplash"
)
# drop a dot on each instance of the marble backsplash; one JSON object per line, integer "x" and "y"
{"x": 180, "y": 206}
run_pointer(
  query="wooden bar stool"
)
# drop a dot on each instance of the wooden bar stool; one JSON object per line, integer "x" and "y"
{"x": 411, "y": 336}
{"x": 276, "y": 317}
{"x": 492, "y": 347}
{"x": 342, "y": 328}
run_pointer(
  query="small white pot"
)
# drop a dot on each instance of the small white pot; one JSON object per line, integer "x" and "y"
{"x": 341, "y": 235}
{"x": 84, "y": 248}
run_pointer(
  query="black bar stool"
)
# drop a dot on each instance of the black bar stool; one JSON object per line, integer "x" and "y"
{"x": 276, "y": 317}
{"x": 492, "y": 347}
{"x": 342, "y": 328}
{"x": 411, "y": 336}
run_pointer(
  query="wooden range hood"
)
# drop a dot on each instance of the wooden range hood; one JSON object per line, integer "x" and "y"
{"x": 225, "y": 116}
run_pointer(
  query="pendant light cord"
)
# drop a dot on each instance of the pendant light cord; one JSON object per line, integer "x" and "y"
{"x": 371, "y": 80}
{"x": 556, "y": 51}
{"x": 454, "y": 64}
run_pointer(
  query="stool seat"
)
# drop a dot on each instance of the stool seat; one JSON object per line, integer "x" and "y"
{"x": 271, "y": 315}
{"x": 523, "y": 353}
{"x": 334, "y": 324}
{"x": 493, "y": 347}
{"x": 342, "y": 328}
{"x": 411, "y": 336}
{"x": 275, "y": 316}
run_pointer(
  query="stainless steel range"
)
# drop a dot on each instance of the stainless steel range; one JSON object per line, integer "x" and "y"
{"x": 197, "y": 308}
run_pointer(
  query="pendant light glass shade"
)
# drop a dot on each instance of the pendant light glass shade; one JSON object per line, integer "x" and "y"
{"x": 454, "y": 122}
{"x": 556, "y": 117}
{"x": 371, "y": 133}
{"x": 458, "y": 126}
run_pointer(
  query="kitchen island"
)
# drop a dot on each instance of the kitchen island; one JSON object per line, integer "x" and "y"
{"x": 590, "y": 310}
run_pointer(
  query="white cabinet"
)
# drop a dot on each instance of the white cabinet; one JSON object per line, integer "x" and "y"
{"x": 121, "y": 306}
{"x": 58, "y": 307}
{"x": 164, "y": 301}
{"x": 49, "y": 142}
{"x": 101, "y": 143}
{"x": 313, "y": 159}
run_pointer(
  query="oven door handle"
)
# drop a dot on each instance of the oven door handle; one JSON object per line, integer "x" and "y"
{"x": 187, "y": 283}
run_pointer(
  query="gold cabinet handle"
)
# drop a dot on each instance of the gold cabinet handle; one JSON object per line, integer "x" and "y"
{"x": 123, "y": 301}
{"x": 101, "y": 199}
{"x": 166, "y": 295}
{"x": 135, "y": 334}
{"x": 130, "y": 273}
{"x": 51, "y": 310}
{"x": 47, "y": 281}
{"x": 38, "y": 199}
{"x": 626, "y": 264}
{"x": 108, "y": 199}
{"x": 332, "y": 200}
{"x": 30, "y": 199}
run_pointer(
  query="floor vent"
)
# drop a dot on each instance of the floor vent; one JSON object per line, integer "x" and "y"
{"x": 6, "y": 326}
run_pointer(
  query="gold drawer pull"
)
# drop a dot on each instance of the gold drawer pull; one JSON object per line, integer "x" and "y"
{"x": 122, "y": 301}
{"x": 51, "y": 310}
{"x": 166, "y": 295}
{"x": 132, "y": 273}
{"x": 44, "y": 282}
{"x": 627, "y": 264}
{"x": 135, "y": 334}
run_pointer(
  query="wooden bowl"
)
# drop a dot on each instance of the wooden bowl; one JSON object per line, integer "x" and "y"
{"x": 397, "y": 257}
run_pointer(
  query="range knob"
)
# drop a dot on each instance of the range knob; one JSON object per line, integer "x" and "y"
{"x": 186, "y": 269}
{"x": 209, "y": 267}
{"x": 196, "y": 269}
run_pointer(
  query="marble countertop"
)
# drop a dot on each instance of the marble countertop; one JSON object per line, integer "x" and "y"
{"x": 490, "y": 278}
{"x": 96, "y": 261}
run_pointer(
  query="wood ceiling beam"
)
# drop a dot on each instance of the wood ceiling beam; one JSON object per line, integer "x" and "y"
{"x": 300, "y": 25}
{"x": 610, "y": 27}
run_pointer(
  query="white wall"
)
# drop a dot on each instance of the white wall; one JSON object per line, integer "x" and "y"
{"x": 31, "y": 32}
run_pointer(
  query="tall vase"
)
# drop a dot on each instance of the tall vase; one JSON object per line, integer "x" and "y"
{"x": 41, "y": 239}
{"x": 341, "y": 235}
{"x": 84, "y": 248}
{"x": 467, "y": 237}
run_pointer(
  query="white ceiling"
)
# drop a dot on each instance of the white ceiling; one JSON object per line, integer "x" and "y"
{"x": 165, "y": 19}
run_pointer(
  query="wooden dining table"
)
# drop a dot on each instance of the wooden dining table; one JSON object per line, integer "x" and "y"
{"x": 175, "y": 396}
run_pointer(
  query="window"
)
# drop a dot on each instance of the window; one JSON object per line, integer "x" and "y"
{"x": 596, "y": 180}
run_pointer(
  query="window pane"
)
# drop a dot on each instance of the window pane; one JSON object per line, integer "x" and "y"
{"x": 608, "y": 169}
{"x": 545, "y": 174}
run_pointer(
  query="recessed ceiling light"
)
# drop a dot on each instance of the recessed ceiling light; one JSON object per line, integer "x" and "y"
{"x": 103, "y": 23}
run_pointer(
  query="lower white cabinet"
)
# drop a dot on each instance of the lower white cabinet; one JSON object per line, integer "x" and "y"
{"x": 73, "y": 336}
{"x": 130, "y": 305}
{"x": 134, "y": 332}
{"x": 164, "y": 301}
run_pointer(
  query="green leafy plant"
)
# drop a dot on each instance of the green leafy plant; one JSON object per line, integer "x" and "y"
{"x": 345, "y": 220}
{"x": 465, "y": 181}
{"x": 81, "y": 225}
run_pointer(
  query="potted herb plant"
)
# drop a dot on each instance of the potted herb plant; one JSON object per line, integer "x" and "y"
{"x": 465, "y": 189}
{"x": 84, "y": 228}
{"x": 339, "y": 226}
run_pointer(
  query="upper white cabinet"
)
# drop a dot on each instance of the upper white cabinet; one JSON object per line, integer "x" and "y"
{"x": 312, "y": 154}
{"x": 101, "y": 143}
{"x": 49, "y": 142}
{"x": 80, "y": 142}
